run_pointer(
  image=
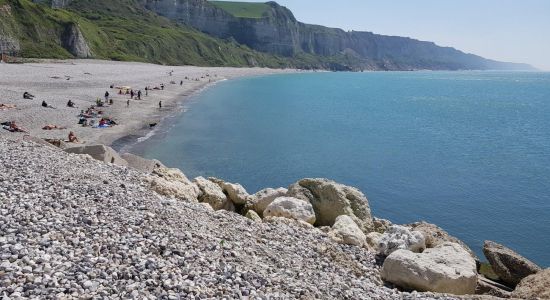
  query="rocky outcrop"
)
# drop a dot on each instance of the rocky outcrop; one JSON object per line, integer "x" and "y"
{"x": 212, "y": 194}
{"x": 291, "y": 208}
{"x": 73, "y": 40}
{"x": 400, "y": 238}
{"x": 172, "y": 183}
{"x": 345, "y": 231}
{"x": 447, "y": 268}
{"x": 330, "y": 200}
{"x": 141, "y": 164}
{"x": 488, "y": 287}
{"x": 234, "y": 191}
{"x": 373, "y": 240}
{"x": 435, "y": 236}
{"x": 252, "y": 215}
{"x": 99, "y": 152}
{"x": 536, "y": 286}
{"x": 260, "y": 200}
{"x": 510, "y": 267}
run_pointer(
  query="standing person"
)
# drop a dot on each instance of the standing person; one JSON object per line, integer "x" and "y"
{"x": 162, "y": 86}
{"x": 160, "y": 104}
{"x": 146, "y": 91}
{"x": 181, "y": 82}
{"x": 106, "y": 96}
{"x": 139, "y": 95}
{"x": 131, "y": 94}
{"x": 128, "y": 103}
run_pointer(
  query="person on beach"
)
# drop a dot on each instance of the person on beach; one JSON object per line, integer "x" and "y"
{"x": 45, "y": 104}
{"x": 12, "y": 127}
{"x": 132, "y": 94}
{"x": 128, "y": 103}
{"x": 160, "y": 104}
{"x": 70, "y": 103}
{"x": 106, "y": 96}
{"x": 181, "y": 82}
{"x": 26, "y": 95}
{"x": 139, "y": 95}
{"x": 72, "y": 138}
{"x": 162, "y": 86}
{"x": 146, "y": 91}
{"x": 51, "y": 127}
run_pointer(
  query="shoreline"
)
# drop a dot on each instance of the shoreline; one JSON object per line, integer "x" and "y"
{"x": 83, "y": 81}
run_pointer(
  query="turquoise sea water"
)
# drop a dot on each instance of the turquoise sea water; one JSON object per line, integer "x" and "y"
{"x": 469, "y": 151}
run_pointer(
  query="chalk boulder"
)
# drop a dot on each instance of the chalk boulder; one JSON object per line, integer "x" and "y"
{"x": 260, "y": 200}
{"x": 172, "y": 183}
{"x": 330, "y": 200}
{"x": 447, "y": 268}
{"x": 99, "y": 152}
{"x": 345, "y": 231}
{"x": 536, "y": 286}
{"x": 510, "y": 267}
{"x": 234, "y": 191}
{"x": 141, "y": 164}
{"x": 212, "y": 194}
{"x": 400, "y": 238}
{"x": 436, "y": 236}
{"x": 252, "y": 215}
{"x": 291, "y": 208}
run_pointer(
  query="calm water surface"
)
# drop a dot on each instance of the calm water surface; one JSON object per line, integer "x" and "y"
{"x": 469, "y": 151}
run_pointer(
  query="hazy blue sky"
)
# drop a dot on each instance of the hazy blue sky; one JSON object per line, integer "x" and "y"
{"x": 508, "y": 30}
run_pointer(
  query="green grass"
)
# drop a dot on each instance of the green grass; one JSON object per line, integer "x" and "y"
{"x": 243, "y": 9}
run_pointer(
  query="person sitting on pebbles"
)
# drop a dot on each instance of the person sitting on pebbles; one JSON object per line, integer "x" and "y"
{"x": 12, "y": 127}
{"x": 70, "y": 104}
{"x": 27, "y": 95}
{"x": 45, "y": 104}
{"x": 73, "y": 138}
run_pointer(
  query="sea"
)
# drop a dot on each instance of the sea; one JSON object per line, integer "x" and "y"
{"x": 468, "y": 151}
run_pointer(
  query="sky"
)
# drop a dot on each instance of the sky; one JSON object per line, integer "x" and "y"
{"x": 505, "y": 30}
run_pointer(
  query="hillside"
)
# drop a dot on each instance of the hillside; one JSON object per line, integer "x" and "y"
{"x": 216, "y": 33}
{"x": 277, "y": 31}
{"x": 117, "y": 30}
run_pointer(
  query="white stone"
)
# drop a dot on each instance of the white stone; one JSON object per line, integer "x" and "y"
{"x": 345, "y": 231}
{"x": 400, "y": 237}
{"x": 260, "y": 200}
{"x": 213, "y": 194}
{"x": 291, "y": 208}
{"x": 448, "y": 268}
{"x": 330, "y": 200}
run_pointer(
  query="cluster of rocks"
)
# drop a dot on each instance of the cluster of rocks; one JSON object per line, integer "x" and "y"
{"x": 135, "y": 228}
{"x": 73, "y": 227}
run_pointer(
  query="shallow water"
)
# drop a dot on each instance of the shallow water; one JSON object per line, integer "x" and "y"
{"x": 469, "y": 151}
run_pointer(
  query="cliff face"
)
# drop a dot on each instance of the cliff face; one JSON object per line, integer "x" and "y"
{"x": 278, "y": 32}
{"x": 74, "y": 42}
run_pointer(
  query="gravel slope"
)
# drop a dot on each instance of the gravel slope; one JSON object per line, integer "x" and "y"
{"x": 74, "y": 227}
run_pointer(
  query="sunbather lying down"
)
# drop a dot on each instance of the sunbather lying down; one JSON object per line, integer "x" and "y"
{"x": 51, "y": 127}
{"x": 27, "y": 95}
{"x": 7, "y": 106}
{"x": 12, "y": 127}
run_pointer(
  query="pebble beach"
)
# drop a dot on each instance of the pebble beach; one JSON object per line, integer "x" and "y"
{"x": 84, "y": 81}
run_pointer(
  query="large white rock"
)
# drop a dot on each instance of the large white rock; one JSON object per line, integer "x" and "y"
{"x": 373, "y": 240}
{"x": 400, "y": 237}
{"x": 447, "y": 268}
{"x": 259, "y": 201}
{"x": 99, "y": 152}
{"x": 345, "y": 231}
{"x": 291, "y": 208}
{"x": 234, "y": 191}
{"x": 330, "y": 200}
{"x": 141, "y": 164}
{"x": 172, "y": 183}
{"x": 212, "y": 194}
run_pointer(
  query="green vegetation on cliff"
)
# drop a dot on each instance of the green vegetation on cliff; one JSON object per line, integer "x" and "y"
{"x": 121, "y": 30}
{"x": 243, "y": 9}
